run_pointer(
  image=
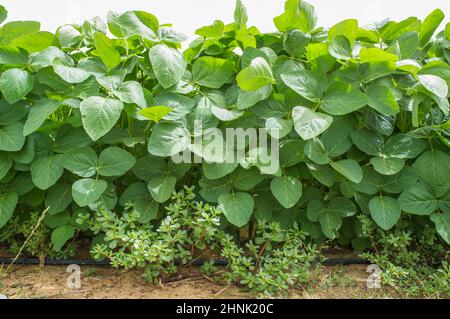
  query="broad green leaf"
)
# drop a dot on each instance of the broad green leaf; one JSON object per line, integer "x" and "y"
{"x": 330, "y": 224}
{"x": 11, "y": 137}
{"x": 130, "y": 24}
{"x": 367, "y": 141}
{"x": 61, "y": 235}
{"x": 382, "y": 99}
{"x": 255, "y": 76}
{"x": 58, "y": 198}
{"x": 81, "y": 161}
{"x": 310, "y": 85}
{"x": 168, "y": 65}
{"x": 287, "y": 190}
{"x": 247, "y": 99}
{"x": 168, "y": 139}
{"x": 211, "y": 31}
{"x": 404, "y": 146}
{"x": 69, "y": 138}
{"x": 314, "y": 210}
{"x": 3, "y": 13}
{"x": 349, "y": 168}
{"x": 211, "y": 189}
{"x": 309, "y": 124}
{"x": 155, "y": 113}
{"x": 12, "y": 55}
{"x": 442, "y": 222}
{"x": 99, "y": 115}
{"x": 418, "y": 199}
{"x": 315, "y": 150}
{"x": 376, "y": 55}
{"x": 342, "y": 98}
{"x": 340, "y": 48}
{"x": 212, "y": 72}
{"x": 15, "y": 84}
{"x": 385, "y": 211}
{"x": 297, "y": 15}
{"x": 433, "y": 167}
{"x": 295, "y": 42}
{"x": 278, "y": 128}
{"x": 39, "y": 112}
{"x": 35, "y": 42}
{"x": 71, "y": 74}
{"x": 105, "y": 50}
{"x": 323, "y": 174}
{"x": 347, "y": 28}
{"x": 88, "y": 191}
{"x": 115, "y": 161}
{"x": 246, "y": 179}
{"x": 8, "y": 203}
{"x": 46, "y": 171}
{"x": 131, "y": 92}
{"x": 429, "y": 26}
{"x": 405, "y": 46}
{"x": 161, "y": 187}
{"x": 16, "y": 29}
{"x": 387, "y": 165}
{"x": 342, "y": 207}
{"x": 435, "y": 85}
{"x": 237, "y": 207}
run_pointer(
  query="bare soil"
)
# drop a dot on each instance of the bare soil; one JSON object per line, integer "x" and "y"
{"x": 105, "y": 282}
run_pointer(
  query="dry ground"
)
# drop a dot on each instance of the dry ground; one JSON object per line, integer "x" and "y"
{"x": 106, "y": 282}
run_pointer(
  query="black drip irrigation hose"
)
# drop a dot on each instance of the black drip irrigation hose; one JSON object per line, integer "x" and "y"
{"x": 218, "y": 262}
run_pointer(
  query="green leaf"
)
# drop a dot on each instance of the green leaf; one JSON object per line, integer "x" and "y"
{"x": 39, "y": 112}
{"x": 255, "y": 76}
{"x": 349, "y": 168}
{"x": 212, "y": 72}
{"x": 168, "y": 139}
{"x": 35, "y": 42}
{"x": 367, "y": 141}
{"x": 330, "y": 224}
{"x": 99, "y": 115}
{"x": 340, "y": 48}
{"x": 161, "y": 186}
{"x": 3, "y": 13}
{"x": 46, "y": 171}
{"x": 211, "y": 31}
{"x": 131, "y": 92}
{"x": 429, "y": 26}
{"x": 11, "y": 137}
{"x": 115, "y": 161}
{"x": 442, "y": 222}
{"x": 10, "y": 54}
{"x": 287, "y": 190}
{"x": 240, "y": 15}
{"x": 308, "y": 84}
{"x": 404, "y": 146}
{"x": 433, "y": 167}
{"x": 309, "y": 124}
{"x": 347, "y": 28}
{"x": 237, "y": 207}
{"x": 342, "y": 98}
{"x": 131, "y": 24}
{"x": 71, "y": 74}
{"x": 58, "y": 198}
{"x": 295, "y": 42}
{"x": 435, "y": 85}
{"x": 88, "y": 191}
{"x": 385, "y": 211}
{"x": 155, "y": 113}
{"x": 105, "y": 50}
{"x": 15, "y": 84}
{"x": 5, "y": 165}
{"x": 315, "y": 150}
{"x": 376, "y": 55}
{"x": 382, "y": 99}
{"x": 297, "y": 15}
{"x": 168, "y": 65}
{"x": 61, "y": 235}
{"x": 8, "y": 203}
{"x": 418, "y": 199}
{"x": 387, "y": 165}
{"x": 81, "y": 161}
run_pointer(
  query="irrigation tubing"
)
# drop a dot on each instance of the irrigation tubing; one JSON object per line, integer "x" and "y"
{"x": 220, "y": 262}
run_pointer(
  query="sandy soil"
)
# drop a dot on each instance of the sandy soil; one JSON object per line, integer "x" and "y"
{"x": 105, "y": 282}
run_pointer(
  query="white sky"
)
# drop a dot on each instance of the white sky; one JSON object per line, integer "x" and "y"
{"x": 188, "y": 15}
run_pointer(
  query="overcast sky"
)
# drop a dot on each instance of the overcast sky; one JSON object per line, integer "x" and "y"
{"x": 188, "y": 15}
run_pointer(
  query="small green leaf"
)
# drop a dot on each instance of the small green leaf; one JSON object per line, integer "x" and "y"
{"x": 8, "y": 203}
{"x": 88, "y": 191}
{"x": 168, "y": 65}
{"x": 255, "y": 76}
{"x": 161, "y": 187}
{"x": 39, "y": 112}
{"x": 212, "y": 72}
{"x": 349, "y": 168}
{"x": 309, "y": 124}
{"x": 46, "y": 171}
{"x": 115, "y": 161}
{"x": 15, "y": 84}
{"x": 342, "y": 98}
{"x": 155, "y": 113}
